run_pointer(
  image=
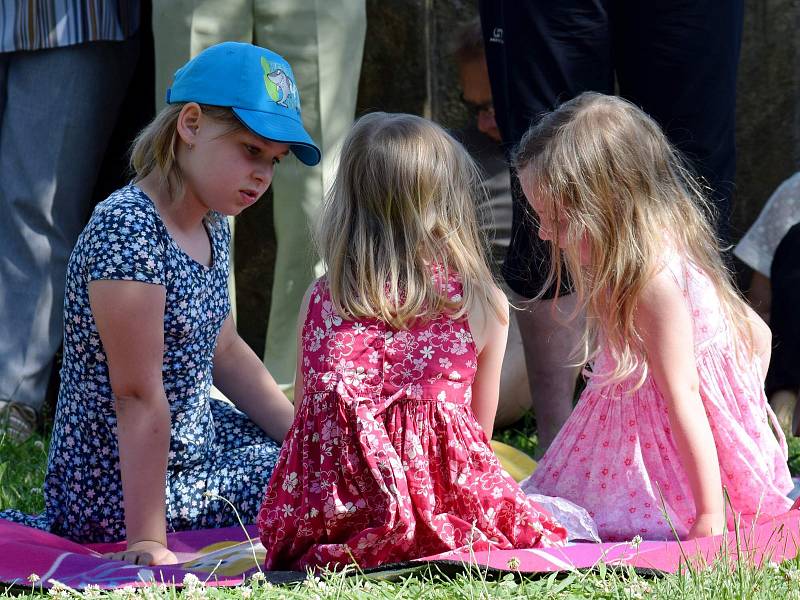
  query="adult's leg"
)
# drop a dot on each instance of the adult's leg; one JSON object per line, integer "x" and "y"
{"x": 49, "y": 158}
{"x": 540, "y": 54}
{"x": 783, "y": 379}
{"x": 182, "y": 29}
{"x": 549, "y": 339}
{"x": 678, "y": 60}
{"x": 323, "y": 42}
{"x": 515, "y": 396}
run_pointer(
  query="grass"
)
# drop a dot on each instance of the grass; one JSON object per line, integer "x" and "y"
{"x": 22, "y": 471}
{"x": 521, "y": 435}
{"x": 720, "y": 581}
{"x": 22, "y": 474}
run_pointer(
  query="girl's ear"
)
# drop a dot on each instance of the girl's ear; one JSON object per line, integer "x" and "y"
{"x": 189, "y": 122}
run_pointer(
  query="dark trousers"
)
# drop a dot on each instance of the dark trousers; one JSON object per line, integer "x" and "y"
{"x": 676, "y": 59}
{"x": 784, "y": 368}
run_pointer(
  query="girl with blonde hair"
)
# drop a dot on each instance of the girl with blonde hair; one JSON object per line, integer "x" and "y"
{"x": 399, "y": 361}
{"x": 139, "y": 447}
{"x": 674, "y": 410}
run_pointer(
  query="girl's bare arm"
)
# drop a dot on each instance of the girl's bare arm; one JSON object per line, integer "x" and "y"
{"x": 665, "y": 324}
{"x": 490, "y": 334}
{"x": 130, "y": 320}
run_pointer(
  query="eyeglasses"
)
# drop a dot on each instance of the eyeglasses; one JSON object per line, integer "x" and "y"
{"x": 478, "y": 109}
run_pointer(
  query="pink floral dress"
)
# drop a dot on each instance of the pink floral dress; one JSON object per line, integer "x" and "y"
{"x": 616, "y": 457}
{"x": 385, "y": 460}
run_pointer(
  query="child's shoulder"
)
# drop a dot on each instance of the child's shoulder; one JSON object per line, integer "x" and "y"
{"x": 316, "y": 292}
{"x": 128, "y": 204}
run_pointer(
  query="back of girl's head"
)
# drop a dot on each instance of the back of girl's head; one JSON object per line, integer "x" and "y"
{"x": 606, "y": 170}
{"x": 403, "y": 203}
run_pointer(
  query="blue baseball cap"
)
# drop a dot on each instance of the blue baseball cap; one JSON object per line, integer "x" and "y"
{"x": 258, "y": 86}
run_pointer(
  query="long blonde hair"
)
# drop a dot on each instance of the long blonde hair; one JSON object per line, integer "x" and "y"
{"x": 605, "y": 168}
{"x": 403, "y": 201}
{"x": 156, "y": 145}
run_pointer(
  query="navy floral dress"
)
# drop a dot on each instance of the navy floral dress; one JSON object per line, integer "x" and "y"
{"x": 214, "y": 448}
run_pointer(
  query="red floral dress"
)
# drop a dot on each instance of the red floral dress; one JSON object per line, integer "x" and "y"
{"x": 385, "y": 460}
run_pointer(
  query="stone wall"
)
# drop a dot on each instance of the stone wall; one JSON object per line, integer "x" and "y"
{"x": 407, "y": 68}
{"x": 768, "y": 114}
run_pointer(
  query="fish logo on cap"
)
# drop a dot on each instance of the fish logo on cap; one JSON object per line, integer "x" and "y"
{"x": 280, "y": 87}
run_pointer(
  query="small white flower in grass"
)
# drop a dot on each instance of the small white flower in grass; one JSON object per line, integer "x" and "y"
{"x": 190, "y": 580}
{"x": 38, "y": 444}
{"x": 513, "y": 563}
{"x": 56, "y": 586}
{"x": 258, "y": 577}
{"x": 792, "y": 573}
{"x": 245, "y": 592}
{"x": 128, "y": 591}
{"x": 636, "y": 541}
{"x": 34, "y": 578}
{"x": 92, "y": 591}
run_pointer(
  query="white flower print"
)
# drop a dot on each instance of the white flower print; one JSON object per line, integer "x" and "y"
{"x": 341, "y": 344}
{"x": 290, "y": 482}
{"x": 329, "y": 315}
{"x": 414, "y": 391}
{"x": 406, "y": 372}
{"x": 316, "y": 339}
{"x": 330, "y": 431}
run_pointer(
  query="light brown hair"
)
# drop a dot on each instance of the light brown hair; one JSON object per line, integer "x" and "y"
{"x": 402, "y": 202}
{"x": 605, "y": 167}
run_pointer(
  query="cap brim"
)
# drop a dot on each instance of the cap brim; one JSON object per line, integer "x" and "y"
{"x": 280, "y": 128}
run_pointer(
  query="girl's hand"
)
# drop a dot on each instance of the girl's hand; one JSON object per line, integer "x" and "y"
{"x": 145, "y": 553}
{"x": 706, "y": 525}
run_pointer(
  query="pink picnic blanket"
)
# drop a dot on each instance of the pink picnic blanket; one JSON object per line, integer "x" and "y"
{"x": 224, "y": 557}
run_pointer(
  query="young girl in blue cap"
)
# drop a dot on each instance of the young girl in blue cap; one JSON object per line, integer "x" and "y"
{"x": 148, "y": 325}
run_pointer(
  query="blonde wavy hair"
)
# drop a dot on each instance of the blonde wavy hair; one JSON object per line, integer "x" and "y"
{"x": 605, "y": 168}
{"x": 403, "y": 201}
{"x": 156, "y": 145}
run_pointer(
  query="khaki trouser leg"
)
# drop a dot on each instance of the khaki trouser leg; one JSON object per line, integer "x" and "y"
{"x": 184, "y": 28}
{"x": 323, "y": 41}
